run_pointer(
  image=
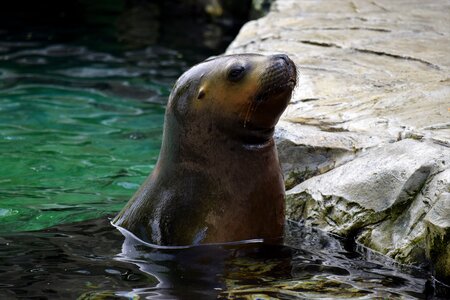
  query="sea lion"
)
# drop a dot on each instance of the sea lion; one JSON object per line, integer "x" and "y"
{"x": 218, "y": 177}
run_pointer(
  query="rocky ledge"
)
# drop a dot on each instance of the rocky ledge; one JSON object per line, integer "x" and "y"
{"x": 364, "y": 143}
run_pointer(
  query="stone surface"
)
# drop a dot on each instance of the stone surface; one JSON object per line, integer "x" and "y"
{"x": 381, "y": 198}
{"x": 437, "y": 223}
{"x": 365, "y": 142}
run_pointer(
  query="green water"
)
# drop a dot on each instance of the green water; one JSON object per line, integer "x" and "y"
{"x": 81, "y": 111}
{"x": 71, "y": 154}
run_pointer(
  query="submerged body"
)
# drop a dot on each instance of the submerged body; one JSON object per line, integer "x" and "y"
{"x": 218, "y": 177}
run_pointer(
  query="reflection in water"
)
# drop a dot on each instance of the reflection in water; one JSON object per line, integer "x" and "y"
{"x": 93, "y": 259}
{"x": 138, "y": 25}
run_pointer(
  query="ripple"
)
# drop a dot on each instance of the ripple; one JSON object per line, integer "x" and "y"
{"x": 7, "y": 212}
{"x": 50, "y": 51}
{"x": 32, "y": 61}
{"x": 102, "y": 57}
{"x": 90, "y": 72}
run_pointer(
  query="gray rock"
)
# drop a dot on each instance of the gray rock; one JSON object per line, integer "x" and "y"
{"x": 364, "y": 144}
{"x": 437, "y": 222}
{"x": 391, "y": 199}
{"x": 306, "y": 150}
{"x": 369, "y": 188}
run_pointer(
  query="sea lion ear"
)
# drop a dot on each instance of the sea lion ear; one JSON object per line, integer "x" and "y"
{"x": 201, "y": 94}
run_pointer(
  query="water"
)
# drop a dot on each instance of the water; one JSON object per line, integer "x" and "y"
{"x": 81, "y": 115}
{"x": 92, "y": 260}
{"x": 72, "y": 146}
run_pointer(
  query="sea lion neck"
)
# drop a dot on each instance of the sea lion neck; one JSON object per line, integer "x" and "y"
{"x": 208, "y": 143}
{"x": 249, "y": 137}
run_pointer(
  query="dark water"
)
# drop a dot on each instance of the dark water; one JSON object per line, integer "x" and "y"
{"x": 93, "y": 260}
{"x": 82, "y": 92}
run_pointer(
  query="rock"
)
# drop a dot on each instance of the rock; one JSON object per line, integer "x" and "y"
{"x": 364, "y": 144}
{"x": 437, "y": 222}
{"x": 381, "y": 183}
{"x": 393, "y": 199}
{"x": 306, "y": 150}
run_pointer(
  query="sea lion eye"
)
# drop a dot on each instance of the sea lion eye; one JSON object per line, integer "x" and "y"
{"x": 236, "y": 73}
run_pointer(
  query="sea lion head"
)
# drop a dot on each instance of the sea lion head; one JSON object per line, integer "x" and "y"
{"x": 241, "y": 95}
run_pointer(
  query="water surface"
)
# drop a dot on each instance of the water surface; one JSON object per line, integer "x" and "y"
{"x": 92, "y": 260}
{"x": 76, "y": 137}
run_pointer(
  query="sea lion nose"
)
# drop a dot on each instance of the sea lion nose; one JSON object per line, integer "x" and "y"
{"x": 283, "y": 57}
{"x": 290, "y": 65}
